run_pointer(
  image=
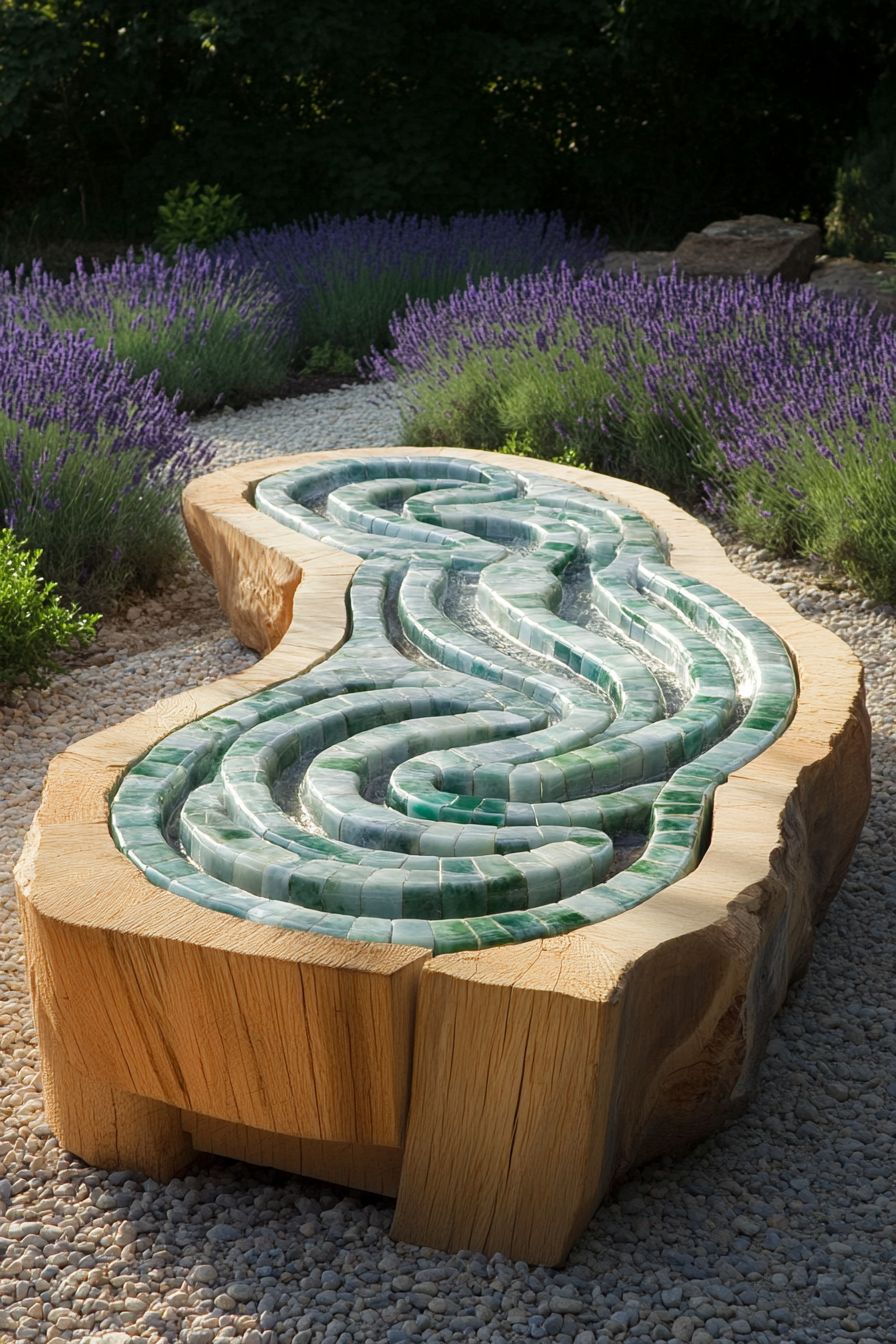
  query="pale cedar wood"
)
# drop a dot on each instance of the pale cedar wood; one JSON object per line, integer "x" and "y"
{"x": 360, "y": 1166}
{"x": 541, "y": 1072}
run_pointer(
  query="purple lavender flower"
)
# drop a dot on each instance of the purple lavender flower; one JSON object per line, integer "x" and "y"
{"x": 777, "y": 397}
{"x": 160, "y": 314}
{"x": 92, "y": 460}
{"x": 342, "y": 279}
{"x": 746, "y": 368}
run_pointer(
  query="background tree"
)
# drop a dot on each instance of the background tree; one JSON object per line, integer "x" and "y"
{"x": 649, "y": 116}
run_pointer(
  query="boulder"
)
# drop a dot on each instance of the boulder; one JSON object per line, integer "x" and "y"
{"x": 752, "y": 245}
{"x": 866, "y": 282}
{"x": 648, "y": 265}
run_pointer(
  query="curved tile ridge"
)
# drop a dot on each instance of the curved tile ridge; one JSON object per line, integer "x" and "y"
{"x": 458, "y": 772}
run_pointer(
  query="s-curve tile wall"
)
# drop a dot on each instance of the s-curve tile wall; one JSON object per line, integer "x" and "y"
{"x": 522, "y": 735}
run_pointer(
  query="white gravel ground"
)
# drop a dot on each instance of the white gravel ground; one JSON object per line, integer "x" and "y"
{"x": 781, "y": 1228}
{"x": 354, "y": 416}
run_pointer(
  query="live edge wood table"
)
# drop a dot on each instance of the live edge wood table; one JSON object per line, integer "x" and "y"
{"x": 509, "y": 1000}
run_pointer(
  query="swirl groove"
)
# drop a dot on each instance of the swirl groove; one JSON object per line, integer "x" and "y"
{"x": 433, "y": 786}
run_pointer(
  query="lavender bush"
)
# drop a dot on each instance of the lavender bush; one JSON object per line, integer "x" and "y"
{"x": 212, "y": 328}
{"x": 92, "y": 462}
{"x": 94, "y": 370}
{"x": 225, "y": 325}
{"x": 780, "y": 399}
{"x": 343, "y": 279}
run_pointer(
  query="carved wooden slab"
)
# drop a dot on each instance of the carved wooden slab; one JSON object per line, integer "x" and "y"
{"x": 440, "y": 916}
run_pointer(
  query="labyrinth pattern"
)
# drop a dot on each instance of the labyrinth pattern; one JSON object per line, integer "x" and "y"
{"x": 521, "y": 736}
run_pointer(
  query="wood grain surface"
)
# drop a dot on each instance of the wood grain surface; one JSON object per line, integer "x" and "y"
{"x": 500, "y": 1093}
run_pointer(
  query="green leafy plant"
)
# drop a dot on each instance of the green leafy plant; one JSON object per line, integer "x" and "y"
{"x": 519, "y": 444}
{"x": 33, "y": 622}
{"x": 774, "y": 403}
{"x": 211, "y": 328}
{"x": 862, "y": 220}
{"x": 523, "y": 445}
{"x": 341, "y": 280}
{"x": 199, "y": 215}
{"x": 327, "y": 359}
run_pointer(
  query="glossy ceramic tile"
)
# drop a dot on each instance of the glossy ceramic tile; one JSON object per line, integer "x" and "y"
{"x": 473, "y": 763}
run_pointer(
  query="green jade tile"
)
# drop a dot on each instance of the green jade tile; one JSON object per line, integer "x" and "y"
{"x": 153, "y": 855}
{"x": 308, "y": 883}
{"x": 421, "y": 899}
{"x": 630, "y": 886}
{"x": 135, "y": 837}
{"x": 368, "y": 930}
{"x": 522, "y": 591}
{"x": 487, "y": 933}
{"x": 248, "y": 871}
{"x": 334, "y": 925}
{"x": 560, "y": 919}
{"x": 521, "y": 925}
{"x": 412, "y": 932}
{"x": 453, "y": 935}
{"x": 288, "y": 917}
{"x": 592, "y": 907}
{"x": 275, "y": 882}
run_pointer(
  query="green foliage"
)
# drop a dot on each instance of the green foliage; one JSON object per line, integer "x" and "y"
{"x": 202, "y": 216}
{"x": 222, "y": 370}
{"x": 103, "y": 537}
{"x": 327, "y": 359}
{"x": 765, "y": 398}
{"x": 648, "y": 117}
{"x": 344, "y": 280}
{"x": 519, "y": 445}
{"x": 213, "y": 331}
{"x": 517, "y": 406}
{"x": 851, "y": 225}
{"x": 33, "y": 622}
{"x": 862, "y": 220}
{"x": 522, "y": 445}
{"x": 888, "y": 286}
{"x": 848, "y": 517}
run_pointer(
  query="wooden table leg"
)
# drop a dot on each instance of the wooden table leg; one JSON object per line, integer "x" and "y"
{"x": 103, "y": 1125}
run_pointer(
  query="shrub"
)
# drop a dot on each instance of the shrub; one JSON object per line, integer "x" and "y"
{"x": 33, "y": 622}
{"x": 213, "y": 329}
{"x": 92, "y": 462}
{"x": 862, "y": 220}
{"x": 199, "y": 217}
{"x": 780, "y": 399}
{"x": 551, "y": 359}
{"x": 324, "y": 359}
{"x": 224, "y": 326}
{"x": 344, "y": 279}
{"x": 853, "y": 226}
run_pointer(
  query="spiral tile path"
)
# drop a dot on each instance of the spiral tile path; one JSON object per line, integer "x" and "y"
{"x": 482, "y": 844}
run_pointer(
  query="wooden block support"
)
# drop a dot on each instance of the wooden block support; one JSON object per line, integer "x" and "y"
{"x": 360, "y": 1166}
{"x": 500, "y": 1093}
{"x": 107, "y": 1126}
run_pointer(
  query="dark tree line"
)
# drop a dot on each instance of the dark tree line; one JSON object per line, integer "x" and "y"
{"x": 647, "y": 116}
